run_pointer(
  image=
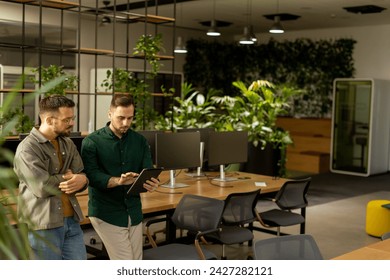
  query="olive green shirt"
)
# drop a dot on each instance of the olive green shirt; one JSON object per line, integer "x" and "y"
{"x": 40, "y": 172}
{"x": 105, "y": 156}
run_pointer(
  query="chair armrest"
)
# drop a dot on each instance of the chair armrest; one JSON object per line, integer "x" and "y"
{"x": 148, "y": 232}
{"x": 155, "y": 221}
{"x": 203, "y": 233}
{"x": 198, "y": 236}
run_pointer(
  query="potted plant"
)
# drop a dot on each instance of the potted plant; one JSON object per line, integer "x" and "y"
{"x": 193, "y": 110}
{"x": 46, "y": 74}
{"x": 255, "y": 110}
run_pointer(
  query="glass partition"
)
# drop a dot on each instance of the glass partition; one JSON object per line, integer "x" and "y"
{"x": 351, "y": 125}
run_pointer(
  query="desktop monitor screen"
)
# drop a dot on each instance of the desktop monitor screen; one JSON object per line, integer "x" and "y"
{"x": 178, "y": 150}
{"x": 204, "y": 137}
{"x": 228, "y": 147}
{"x": 150, "y": 136}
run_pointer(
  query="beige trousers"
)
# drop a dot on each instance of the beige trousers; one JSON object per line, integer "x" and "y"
{"x": 122, "y": 243}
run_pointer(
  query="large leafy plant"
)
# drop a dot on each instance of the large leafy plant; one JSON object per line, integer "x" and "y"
{"x": 189, "y": 111}
{"x": 255, "y": 110}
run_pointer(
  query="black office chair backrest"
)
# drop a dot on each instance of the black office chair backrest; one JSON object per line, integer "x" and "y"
{"x": 198, "y": 213}
{"x": 292, "y": 194}
{"x": 239, "y": 208}
{"x": 287, "y": 247}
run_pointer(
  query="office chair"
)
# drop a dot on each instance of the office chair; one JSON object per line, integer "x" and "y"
{"x": 291, "y": 196}
{"x": 198, "y": 215}
{"x": 239, "y": 211}
{"x": 288, "y": 247}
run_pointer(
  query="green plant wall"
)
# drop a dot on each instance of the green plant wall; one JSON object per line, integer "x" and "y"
{"x": 306, "y": 64}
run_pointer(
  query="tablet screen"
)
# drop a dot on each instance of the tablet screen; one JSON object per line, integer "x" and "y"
{"x": 146, "y": 174}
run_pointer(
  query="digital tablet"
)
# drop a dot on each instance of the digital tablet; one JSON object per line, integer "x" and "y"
{"x": 146, "y": 174}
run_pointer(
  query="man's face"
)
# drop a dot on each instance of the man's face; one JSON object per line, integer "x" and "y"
{"x": 63, "y": 121}
{"x": 121, "y": 119}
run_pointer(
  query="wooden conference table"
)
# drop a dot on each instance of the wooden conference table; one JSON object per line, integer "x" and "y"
{"x": 167, "y": 199}
{"x": 376, "y": 251}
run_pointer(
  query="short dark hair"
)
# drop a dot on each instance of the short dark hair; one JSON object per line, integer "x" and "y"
{"x": 52, "y": 103}
{"x": 122, "y": 99}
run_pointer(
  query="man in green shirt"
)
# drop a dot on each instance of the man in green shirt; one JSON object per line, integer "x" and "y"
{"x": 113, "y": 156}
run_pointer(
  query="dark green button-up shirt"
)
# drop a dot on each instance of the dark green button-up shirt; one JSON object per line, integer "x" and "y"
{"x": 105, "y": 156}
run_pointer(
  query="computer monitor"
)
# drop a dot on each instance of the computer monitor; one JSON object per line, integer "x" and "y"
{"x": 150, "y": 136}
{"x": 226, "y": 148}
{"x": 204, "y": 140}
{"x": 177, "y": 151}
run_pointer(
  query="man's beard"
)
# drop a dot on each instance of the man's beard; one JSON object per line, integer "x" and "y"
{"x": 64, "y": 133}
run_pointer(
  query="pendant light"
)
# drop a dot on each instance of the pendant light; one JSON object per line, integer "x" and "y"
{"x": 180, "y": 46}
{"x": 246, "y": 39}
{"x": 277, "y": 27}
{"x": 213, "y": 31}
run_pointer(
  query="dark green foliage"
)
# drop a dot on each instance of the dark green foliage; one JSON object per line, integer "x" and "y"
{"x": 306, "y": 64}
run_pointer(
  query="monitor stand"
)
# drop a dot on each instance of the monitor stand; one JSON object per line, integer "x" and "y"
{"x": 199, "y": 172}
{"x": 222, "y": 177}
{"x": 172, "y": 184}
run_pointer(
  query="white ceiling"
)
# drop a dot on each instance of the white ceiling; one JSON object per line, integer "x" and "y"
{"x": 313, "y": 14}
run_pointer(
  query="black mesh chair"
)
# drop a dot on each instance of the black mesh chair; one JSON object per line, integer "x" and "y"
{"x": 291, "y": 196}
{"x": 239, "y": 212}
{"x": 289, "y": 247}
{"x": 199, "y": 216}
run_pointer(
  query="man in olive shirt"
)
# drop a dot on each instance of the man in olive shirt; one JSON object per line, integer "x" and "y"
{"x": 113, "y": 156}
{"x": 49, "y": 169}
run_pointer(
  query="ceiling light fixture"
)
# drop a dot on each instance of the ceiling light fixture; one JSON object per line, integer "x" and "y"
{"x": 277, "y": 27}
{"x": 180, "y": 47}
{"x": 105, "y": 20}
{"x": 248, "y": 38}
{"x": 213, "y": 31}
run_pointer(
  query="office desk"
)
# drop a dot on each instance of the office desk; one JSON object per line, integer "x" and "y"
{"x": 376, "y": 251}
{"x": 202, "y": 186}
{"x": 166, "y": 199}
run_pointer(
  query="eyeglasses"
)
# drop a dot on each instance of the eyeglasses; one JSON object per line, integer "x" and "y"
{"x": 67, "y": 120}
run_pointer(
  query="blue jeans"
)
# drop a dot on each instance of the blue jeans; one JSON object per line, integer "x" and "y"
{"x": 62, "y": 243}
